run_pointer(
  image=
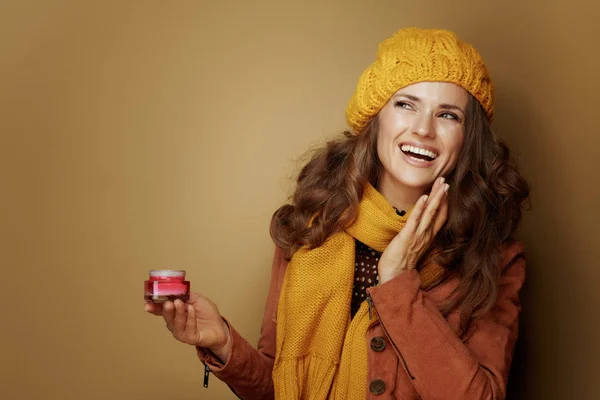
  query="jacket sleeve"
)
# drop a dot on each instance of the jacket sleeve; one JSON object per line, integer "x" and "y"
{"x": 439, "y": 363}
{"x": 247, "y": 370}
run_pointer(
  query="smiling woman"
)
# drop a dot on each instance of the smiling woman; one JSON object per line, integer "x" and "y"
{"x": 365, "y": 300}
{"x": 416, "y": 123}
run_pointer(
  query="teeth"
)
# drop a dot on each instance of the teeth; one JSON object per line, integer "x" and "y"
{"x": 418, "y": 150}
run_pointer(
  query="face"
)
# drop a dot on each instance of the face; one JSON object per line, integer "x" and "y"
{"x": 421, "y": 132}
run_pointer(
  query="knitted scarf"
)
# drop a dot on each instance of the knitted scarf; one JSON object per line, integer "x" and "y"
{"x": 321, "y": 353}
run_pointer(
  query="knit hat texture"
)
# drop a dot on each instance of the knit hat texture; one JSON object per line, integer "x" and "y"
{"x": 415, "y": 55}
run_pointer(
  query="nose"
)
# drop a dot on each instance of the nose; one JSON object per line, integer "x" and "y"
{"x": 424, "y": 125}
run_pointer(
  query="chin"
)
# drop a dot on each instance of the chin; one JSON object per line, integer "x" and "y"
{"x": 414, "y": 181}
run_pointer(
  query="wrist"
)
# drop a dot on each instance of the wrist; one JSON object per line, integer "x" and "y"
{"x": 387, "y": 277}
{"x": 222, "y": 352}
{"x": 389, "y": 273}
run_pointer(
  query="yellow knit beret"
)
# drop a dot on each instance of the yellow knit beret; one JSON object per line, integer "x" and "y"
{"x": 415, "y": 55}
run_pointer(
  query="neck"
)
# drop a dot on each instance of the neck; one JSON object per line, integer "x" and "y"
{"x": 398, "y": 195}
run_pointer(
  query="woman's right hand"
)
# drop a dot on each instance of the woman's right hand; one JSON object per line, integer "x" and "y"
{"x": 197, "y": 322}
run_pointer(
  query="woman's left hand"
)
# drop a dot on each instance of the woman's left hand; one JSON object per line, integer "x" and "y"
{"x": 425, "y": 220}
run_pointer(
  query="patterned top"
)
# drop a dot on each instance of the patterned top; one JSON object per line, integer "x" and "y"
{"x": 365, "y": 274}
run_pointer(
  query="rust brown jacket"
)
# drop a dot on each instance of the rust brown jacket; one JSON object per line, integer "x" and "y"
{"x": 414, "y": 352}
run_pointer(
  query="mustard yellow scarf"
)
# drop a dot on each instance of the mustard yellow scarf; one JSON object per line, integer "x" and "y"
{"x": 321, "y": 353}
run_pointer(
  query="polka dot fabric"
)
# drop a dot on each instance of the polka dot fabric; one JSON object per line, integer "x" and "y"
{"x": 365, "y": 274}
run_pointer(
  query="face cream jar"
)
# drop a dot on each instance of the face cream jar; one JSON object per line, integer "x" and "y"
{"x": 166, "y": 285}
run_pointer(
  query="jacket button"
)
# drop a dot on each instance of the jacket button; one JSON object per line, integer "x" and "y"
{"x": 377, "y": 386}
{"x": 378, "y": 343}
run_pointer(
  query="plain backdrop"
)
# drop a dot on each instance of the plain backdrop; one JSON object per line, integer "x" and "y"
{"x": 163, "y": 134}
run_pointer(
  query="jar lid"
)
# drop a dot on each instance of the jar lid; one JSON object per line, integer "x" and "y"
{"x": 167, "y": 272}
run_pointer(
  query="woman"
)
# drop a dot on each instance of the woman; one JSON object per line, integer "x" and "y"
{"x": 395, "y": 272}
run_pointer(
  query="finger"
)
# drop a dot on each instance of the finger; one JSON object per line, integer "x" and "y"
{"x": 415, "y": 215}
{"x": 195, "y": 298}
{"x": 191, "y": 329}
{"x": 153, "y": 308}
{"x": 442, "y": 216}
{"x": 432, "y": 207}
{"x": 180, "y": 319}
{"x": 169, "y": 314}
{"x": 417, "y": 212}
{"x": 436, "y": 185}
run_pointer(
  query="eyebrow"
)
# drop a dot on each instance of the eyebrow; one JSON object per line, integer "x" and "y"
{"x": 445, "y": 106}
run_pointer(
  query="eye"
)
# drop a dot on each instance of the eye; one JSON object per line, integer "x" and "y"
{"x": 403, "y": 104}
{"x": 449, "y": 115}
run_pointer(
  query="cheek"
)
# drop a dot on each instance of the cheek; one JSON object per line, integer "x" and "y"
{"x": 381, "y": 150}
{"x": 454, "y": 147}
{"x": 385, "y": 139}
{"x": 390, "y": 124}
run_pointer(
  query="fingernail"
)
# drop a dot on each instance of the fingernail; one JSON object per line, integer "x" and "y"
{"x": 425, "y": 198}
{"x": 446, "y": 187}
{"x": 442, "y": 180}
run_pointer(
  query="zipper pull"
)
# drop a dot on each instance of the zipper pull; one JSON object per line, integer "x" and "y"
{"x": 370, "y": 303}
{"x": 206, "y": 374}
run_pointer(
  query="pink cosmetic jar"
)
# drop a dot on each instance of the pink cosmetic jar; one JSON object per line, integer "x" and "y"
{"x": 166, "y": 285}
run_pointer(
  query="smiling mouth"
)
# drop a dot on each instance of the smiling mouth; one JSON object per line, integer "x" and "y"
{"x": 419, "y": 153}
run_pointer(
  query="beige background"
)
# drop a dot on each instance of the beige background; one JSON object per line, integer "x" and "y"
{"x": 161, "y": 134}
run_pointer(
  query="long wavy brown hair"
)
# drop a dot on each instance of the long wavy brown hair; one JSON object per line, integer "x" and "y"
{"x": 485, "y": 206}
